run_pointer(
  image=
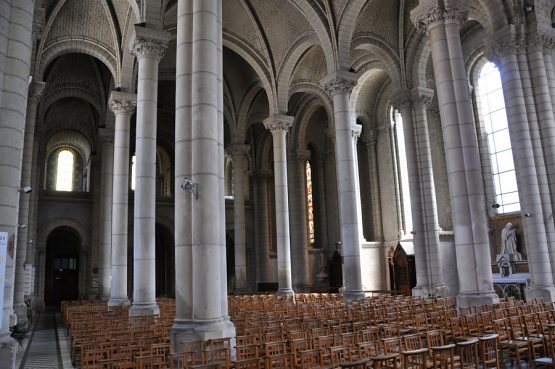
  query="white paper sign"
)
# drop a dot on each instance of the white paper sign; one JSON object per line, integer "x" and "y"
{"x": 3, "y": 260}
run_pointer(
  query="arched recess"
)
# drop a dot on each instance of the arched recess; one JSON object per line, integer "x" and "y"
{"x": 346, "y": 29}
{"x": 383, "y": 53}
{"x": 256, "y": 62}
{"x": 70, "y": 91}
{"x": 79, "y": 46}
{"x": 62, "y": 263}
{"x": 244, "y": 109}
{"x": 165, "y": 261}
{"x": 313, "y": 89}
{"x": 317, "y": 20}
{"x": 83, "y": 234}
{"x": 294, "y": 54}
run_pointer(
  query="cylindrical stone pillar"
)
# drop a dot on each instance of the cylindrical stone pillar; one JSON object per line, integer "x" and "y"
{"x": 339, "y": 86}
{"x": 262, "y": 226}
{"x": 377, "y": 227}
{"x": 441, "y": 19}
{"x": 149, "y": 47}
{"x": 201, "y": 309}
{"x": 35, "y": 92}
{"x": 123, "y": 105}
{"x": 504, "y": 53}
{"x": 15, "y": 55}
{"x": 298, "y": 217}
{"x": 240, "y": 167}
{"x": 279, "y": 125}
{"x": 106, "y": 139}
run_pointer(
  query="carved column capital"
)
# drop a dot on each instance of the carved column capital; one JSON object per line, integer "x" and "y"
{"x": 149, "y": 43}
{"x": 543, "y": 40}
{"x": 36, "y": 90}
{"x": 278, "y": 123}
{"x": 402, "y": 99}
{"x": 339, "y": 83}
{"x": 121, "y": 102}
{"x": 429, "y": 13}
{"x": 422, "y": 96}
{"x": 240, "y": 150}
{"x": 500, "y": 47}
{"x": 356, "y": 130}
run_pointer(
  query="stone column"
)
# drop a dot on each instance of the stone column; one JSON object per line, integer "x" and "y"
{"x": 339, "y": 87}
{"x": 377, "y": 227}
{"x": 35, "y": 92}
{"x": 106, "y": 143}
{"x": 201, "y": 297}
{"x": 123, "y": 105}
{"x": 240, "y": 166}
{"x": 262, "y": 226}
{"x": 503, "y": 51}
{"x": 442, "y": 19}
{"x": 15, "y": 55}
{"x": 298, "y": 217}
{"x": 279, "y": 125}
{"x": 429, "y": 274}
{"x": 149, "y": 47}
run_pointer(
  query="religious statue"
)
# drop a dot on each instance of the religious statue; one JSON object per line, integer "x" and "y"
{"x": 508, "y": 242}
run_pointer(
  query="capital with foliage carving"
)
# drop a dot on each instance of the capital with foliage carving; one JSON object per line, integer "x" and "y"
{"x": 121, "y": 102}
{"x": 429, "y": 13}
{"x": 278, "y": 123}
{"x": 543, "y": 40}
{"x": 149, "y": 43}
{"x": 501, "y": 46}
{"x": 36, "y": 90}
{"x": 402, "y": 99}
{"x": 356, "y": 130}
{"x": 422, "y": 96}
{"x": 339, "y": 83}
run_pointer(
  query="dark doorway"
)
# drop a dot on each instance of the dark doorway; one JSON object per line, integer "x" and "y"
{"x": 62, "y": 266}
{"x": 230, "y": 261}
{"x": 404, "y": 271}
{"x": 165, "y": 262}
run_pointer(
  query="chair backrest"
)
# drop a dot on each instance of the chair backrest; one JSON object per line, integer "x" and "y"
{"x": 435, "y": 338}
{"x": 468, "y": 354}
{"x": 489, "y": 351}
{"x": 443, "y": 357}
{"x": 412, "y": 342}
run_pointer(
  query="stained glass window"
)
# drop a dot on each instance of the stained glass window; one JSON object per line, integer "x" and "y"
{"x": 309, "y": 203}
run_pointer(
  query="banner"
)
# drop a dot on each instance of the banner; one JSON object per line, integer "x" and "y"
{"x": 3, "y": 261}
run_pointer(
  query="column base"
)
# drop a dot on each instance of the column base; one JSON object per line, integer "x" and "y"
{"x": 144, "y": 309}
{"x": 119, "y": 301}
{"x": 287, "y": 292}
{"x": 538, "y": 291}
{"x": 467, "y": 299}
{"x": 21, "y": 312}
{"x": 8, "y": 351}
{"x": 195, "y": 330}
{"x": 352, "y": 295}
{"x": 430, "y": 291}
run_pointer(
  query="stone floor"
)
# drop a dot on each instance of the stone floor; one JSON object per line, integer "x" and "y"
{"x": 48, "y": 348}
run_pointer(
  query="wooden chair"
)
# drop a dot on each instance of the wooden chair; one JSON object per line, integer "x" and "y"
{"x": 252, "y": 363}
{"x": 151, "y": 362}
{"x": 549, "y": 359}
{"x": 489, "y": 351}
{"x": 515, "y": 348}
{"x": 278, "y": 361}
{"x": 247, "y": 352}
{"x": 443, "y": 357}
{"x": 468, "y": 352}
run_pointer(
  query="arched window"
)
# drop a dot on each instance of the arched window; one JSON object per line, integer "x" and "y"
{"x": 401, "y": 174}
{"x": 499, "y": 143}
{"x": 64, "y": 171}
{"x": 133, "y": 172}
{"x": 309, "y": 203}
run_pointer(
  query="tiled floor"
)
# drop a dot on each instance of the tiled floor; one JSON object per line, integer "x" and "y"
{"x": 47, "y": 346}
